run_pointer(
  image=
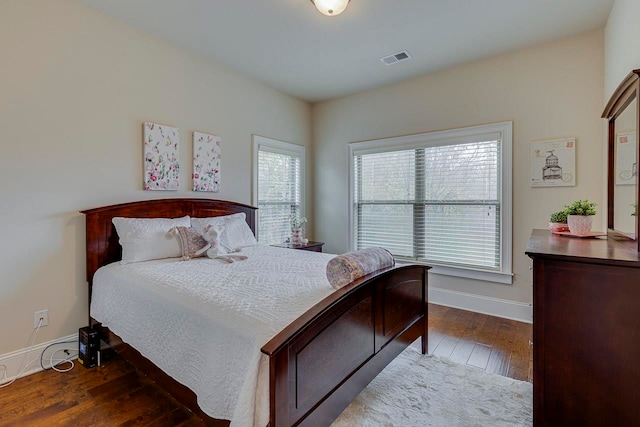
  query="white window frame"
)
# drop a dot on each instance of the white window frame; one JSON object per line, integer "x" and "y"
{"x": 447, "y": 137}
{"x": 274, "y": 145}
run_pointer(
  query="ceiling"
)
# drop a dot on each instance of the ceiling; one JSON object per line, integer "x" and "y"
{"x": 290, "y": 46}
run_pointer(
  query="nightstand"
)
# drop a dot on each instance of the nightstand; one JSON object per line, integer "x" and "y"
{"x": 310, "y": 246}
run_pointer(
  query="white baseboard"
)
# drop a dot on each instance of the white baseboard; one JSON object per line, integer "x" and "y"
{"x": 15, "y": 361}
{"x": 480, "y": 304}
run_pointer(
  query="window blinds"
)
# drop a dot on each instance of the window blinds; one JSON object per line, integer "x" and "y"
{"x": 438, "y": 203}
{"x": 279, "y": 193}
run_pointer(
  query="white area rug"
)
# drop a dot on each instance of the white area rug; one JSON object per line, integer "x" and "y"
{"x": 418, "y": 390}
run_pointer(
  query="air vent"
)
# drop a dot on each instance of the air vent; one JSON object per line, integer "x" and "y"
{"x": 396, "y": 57}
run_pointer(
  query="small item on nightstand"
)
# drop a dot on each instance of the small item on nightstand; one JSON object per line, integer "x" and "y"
{"x": 297, "y": 236}
{"x": 297, "y": 229}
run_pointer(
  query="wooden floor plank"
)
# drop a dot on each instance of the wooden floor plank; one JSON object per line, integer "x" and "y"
{"x": 500, "y": 357}
{"x": 446, "y": 347}
{"x": 487, "y": 334}
{"x": 436, "y": 314}
{"x": 463, "y": 351}
{"x": 521, "y": 354}
{"x": 454, "y": 322}
{"x": 115, "y": 394}
{"x": 465, "y": 346}
{"x": 435, "y": 337}
{"x": 480, "y": 356}
{"x": 498, "y": 362}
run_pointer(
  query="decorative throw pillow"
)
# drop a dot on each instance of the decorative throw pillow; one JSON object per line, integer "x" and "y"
{"x": 192, "y": 243}
{"x": 144, "y": 239}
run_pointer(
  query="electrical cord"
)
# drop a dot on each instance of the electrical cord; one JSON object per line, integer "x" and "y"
{"x": 58, "y": 362}
{"x": 68, "y": 360}
{"x": 24, "y": 359}
{"x": 54, "y": 364}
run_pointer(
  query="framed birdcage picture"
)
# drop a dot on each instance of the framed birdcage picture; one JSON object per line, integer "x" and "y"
{"x": 553, "y": 163}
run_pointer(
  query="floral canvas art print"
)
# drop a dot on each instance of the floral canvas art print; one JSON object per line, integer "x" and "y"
{"x": 161, "y": 165}
{"x": 206, "y": 162}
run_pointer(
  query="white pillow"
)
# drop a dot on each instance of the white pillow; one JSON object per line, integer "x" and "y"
{"x": 199, "y": 224}
{"x": 236, "y": 234}
{"x": 144, "y": 239}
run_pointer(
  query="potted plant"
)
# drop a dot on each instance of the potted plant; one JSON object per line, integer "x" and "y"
{"x": 580, "y": 216}
{"x": 558, "y": 222}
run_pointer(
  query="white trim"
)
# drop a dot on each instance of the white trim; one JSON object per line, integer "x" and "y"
{"x": 487, "y": 276}
{"x": 276, "y": 146}
{"x": 468, "y": 273}
{"x": 352, "y": 181}
{"x": 432, "y": 139}
{"x": 506, "y": 233}
{"x": 14, "y": 360}
{"x": 281, "y": 147}
{"x": 513, "y": 310}
{"x": 448, "y": 137}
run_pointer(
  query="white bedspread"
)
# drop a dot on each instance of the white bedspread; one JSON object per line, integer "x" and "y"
{"x": 204, "y": 321}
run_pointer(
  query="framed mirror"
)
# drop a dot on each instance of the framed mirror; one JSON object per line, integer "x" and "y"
{"x": 623, "y": 115}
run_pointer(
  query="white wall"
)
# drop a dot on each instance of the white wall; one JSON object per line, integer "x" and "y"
{"x": 622, "y": 43}
{"x": 76, "y": 87}
{"x": 549, "y": 91}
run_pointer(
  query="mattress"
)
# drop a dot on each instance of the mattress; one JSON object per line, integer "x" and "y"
{"x": 204, "y": 321}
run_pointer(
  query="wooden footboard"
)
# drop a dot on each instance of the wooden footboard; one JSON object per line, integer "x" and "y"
{"x": 322, "y": 361}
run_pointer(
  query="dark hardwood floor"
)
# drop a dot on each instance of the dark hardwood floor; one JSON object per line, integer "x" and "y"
{"x": 493, "y": 344}
{"x": 115, "y": 395}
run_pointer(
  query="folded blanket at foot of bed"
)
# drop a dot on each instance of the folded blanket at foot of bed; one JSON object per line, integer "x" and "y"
{"x": 348, "y": 267}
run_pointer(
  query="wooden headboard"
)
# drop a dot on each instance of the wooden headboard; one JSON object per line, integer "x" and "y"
{"x": 102, "y": 240}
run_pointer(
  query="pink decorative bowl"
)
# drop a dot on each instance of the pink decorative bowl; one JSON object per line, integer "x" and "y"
{"x": 558, "y": 226}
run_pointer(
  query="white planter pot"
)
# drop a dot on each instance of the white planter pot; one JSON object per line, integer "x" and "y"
{"x": 580, "y": 224}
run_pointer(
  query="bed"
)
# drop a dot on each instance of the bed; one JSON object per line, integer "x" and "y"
{"x": 320, "y": 360}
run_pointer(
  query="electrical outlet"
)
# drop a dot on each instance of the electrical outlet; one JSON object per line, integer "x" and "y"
{"x": 42, "y": 314}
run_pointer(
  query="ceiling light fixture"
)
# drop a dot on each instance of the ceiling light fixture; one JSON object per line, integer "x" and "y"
{"x": 330, "y": 7}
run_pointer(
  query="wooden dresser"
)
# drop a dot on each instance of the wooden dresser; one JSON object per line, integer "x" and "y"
{"x": 586, "y": 331}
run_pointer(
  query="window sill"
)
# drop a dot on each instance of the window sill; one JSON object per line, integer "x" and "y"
{"x": 467, "y": 273}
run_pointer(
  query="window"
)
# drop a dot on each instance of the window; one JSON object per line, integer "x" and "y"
{"x": 442, "y": 198}
{"x": 277, "y": 187}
